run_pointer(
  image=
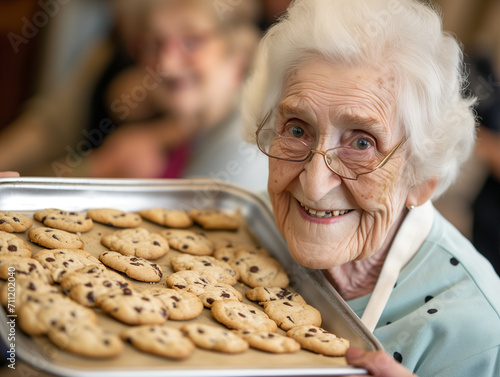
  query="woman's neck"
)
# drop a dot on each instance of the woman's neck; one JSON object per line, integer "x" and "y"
{"x": 358, "y": 278}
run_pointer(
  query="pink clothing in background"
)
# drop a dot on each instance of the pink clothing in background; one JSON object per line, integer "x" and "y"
{"x": 177, "y": 160}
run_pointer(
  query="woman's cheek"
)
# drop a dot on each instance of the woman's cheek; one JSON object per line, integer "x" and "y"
{"x": 278, "y": 185}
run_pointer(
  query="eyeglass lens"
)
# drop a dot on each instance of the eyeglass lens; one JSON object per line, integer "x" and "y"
{"x": 347, "y": 162}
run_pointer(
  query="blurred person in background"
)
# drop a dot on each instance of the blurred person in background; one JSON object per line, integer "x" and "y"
{"x": 174, "y": 112}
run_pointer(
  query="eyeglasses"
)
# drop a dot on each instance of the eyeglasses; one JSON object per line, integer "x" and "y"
{"x": 187, "y": 44}
{"x": 347, "y": 162}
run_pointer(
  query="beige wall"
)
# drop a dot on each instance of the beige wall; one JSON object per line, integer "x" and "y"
{"x": 475, "y": 22}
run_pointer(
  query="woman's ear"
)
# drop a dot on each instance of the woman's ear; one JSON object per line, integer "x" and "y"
{"x": 421, "y": 193}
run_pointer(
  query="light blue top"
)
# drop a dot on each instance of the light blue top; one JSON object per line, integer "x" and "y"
{"x": 443, "y": 316}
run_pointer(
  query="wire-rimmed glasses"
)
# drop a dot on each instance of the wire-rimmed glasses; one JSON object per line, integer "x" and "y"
{"x": 346, "y": 162}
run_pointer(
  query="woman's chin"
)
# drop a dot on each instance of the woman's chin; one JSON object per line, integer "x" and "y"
{"x": 317, "y": 261}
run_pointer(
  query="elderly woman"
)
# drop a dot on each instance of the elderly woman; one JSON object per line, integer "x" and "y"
{"x": 358, "y": 105}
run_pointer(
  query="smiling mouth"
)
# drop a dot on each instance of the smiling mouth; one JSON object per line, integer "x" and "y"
{"x": 324, "y": 214}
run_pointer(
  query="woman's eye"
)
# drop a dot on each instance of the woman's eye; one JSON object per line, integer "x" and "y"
{"x": 297, "y": 131}
{"x": 362, "y": 144}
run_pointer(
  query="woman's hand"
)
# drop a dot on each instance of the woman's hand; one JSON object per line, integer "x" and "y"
{"x": 378, "y": 363}
{"x": 9, "y": 174}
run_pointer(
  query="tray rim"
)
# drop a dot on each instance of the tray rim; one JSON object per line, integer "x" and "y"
{"x": 192, "y": 184}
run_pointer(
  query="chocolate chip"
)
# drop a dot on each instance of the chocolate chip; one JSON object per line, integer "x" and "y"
{"x": 308, "y": 335}
{"x": 107, "y": 284}
{"x": 287, "y": 304}
{"x": 137, "y": 309}
{"x": 175, "y": 298}
{"x": 32, "y": 266}
{"x": 55, "y": 237}
{"x": 12, "y": 248}
{"x": 185, "y": 247}
{"x": 210, "y": 300}
{"x": 156, "y": 243}
{"x": 225, "y": 295}
{"x": 254, "y": 269}
{"x": 88, "y": 285}
{"x": 201, "y": 331}
{"x": 31, "y": 287}
{"x": 16, "y": 219}
{"x": 242, "y": 315}
{"x": 65, "y": 264}
{"x": 179, "y": 286}
{"x": 127, "y": 292}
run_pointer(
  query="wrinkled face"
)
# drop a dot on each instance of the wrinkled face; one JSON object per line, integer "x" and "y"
{"x": 184, "y": 46}
{"x": 326, "y": 220}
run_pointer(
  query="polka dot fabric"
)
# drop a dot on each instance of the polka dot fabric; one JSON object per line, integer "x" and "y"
{"x": 442, "y": 318}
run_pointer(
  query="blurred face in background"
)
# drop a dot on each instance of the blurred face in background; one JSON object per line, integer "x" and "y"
{"x": 185, "y": 44}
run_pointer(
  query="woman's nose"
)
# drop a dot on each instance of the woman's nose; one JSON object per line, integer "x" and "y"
{"x": 317, "y": 179}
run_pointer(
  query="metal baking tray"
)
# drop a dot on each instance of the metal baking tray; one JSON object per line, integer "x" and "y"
{"x": 30, "y": 194}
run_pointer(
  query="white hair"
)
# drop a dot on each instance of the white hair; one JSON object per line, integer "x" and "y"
{"x": 402, "y": 36}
